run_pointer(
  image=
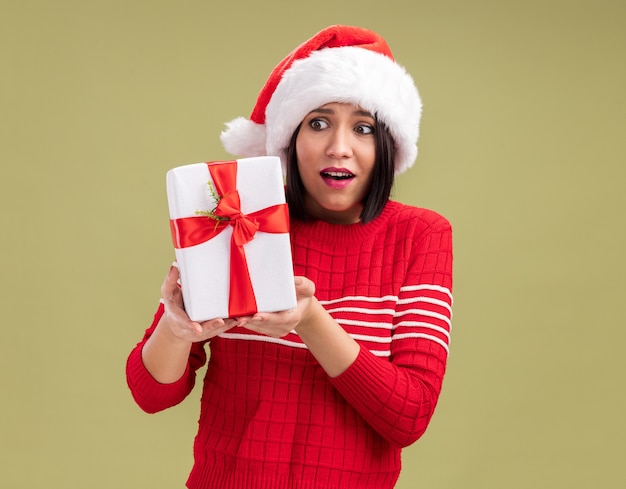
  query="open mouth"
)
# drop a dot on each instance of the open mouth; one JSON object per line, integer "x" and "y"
{"x": 337, "y": 175}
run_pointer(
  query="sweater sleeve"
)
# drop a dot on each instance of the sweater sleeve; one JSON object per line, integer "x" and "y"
{"x": 397, "y": 396}
{"x": 150, "y": 395}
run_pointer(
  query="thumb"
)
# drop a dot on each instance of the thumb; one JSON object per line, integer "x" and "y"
{"x": 304, "y": 287}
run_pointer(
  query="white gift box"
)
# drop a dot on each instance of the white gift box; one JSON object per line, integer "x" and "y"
{"x": 205, "y": 267}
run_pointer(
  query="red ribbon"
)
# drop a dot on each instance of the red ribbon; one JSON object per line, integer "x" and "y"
{"x": 192, "y": 231}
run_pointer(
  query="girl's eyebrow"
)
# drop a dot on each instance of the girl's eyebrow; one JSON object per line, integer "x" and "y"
{"x": 322, "y": 110}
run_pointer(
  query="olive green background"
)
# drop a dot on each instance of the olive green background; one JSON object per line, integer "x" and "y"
{"x": 521, "y": 148}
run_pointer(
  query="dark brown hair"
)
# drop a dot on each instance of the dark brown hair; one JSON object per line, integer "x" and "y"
{"x": 382, "y": 178}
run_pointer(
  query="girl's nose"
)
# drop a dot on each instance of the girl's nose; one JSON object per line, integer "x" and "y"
{"x": 339, "y": 144}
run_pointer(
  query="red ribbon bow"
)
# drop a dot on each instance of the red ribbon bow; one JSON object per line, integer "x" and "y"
{"x": 192, "y": 231}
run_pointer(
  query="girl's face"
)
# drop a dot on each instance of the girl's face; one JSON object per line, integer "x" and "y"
{"x": 336, "y": 153}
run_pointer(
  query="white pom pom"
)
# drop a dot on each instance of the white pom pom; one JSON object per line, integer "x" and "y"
{"x": 245, "y": 138}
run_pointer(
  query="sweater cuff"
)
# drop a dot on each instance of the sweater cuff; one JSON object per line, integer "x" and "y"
{"x": 367, "y": 382}
{"x": 151, "y": 395}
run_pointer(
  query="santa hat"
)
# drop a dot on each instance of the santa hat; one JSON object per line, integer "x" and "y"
{"x": 339, "y": 64}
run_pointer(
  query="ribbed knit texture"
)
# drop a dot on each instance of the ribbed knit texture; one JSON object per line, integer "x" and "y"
{"x": 270, "y": 416}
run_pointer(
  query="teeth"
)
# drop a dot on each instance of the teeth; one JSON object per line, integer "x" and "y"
{"x": 336, "y": 174}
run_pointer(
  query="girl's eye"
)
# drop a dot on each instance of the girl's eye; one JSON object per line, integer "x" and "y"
{"x": 364, "y": 129}
{"x": 318, "y": 124}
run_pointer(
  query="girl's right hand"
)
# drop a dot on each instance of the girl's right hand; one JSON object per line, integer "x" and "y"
{"x": 177, "y": 320}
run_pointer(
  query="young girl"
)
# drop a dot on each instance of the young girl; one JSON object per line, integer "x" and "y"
{"x": 326, "y": 395}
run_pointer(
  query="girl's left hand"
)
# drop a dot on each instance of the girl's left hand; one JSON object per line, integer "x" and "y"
{"x": 279, "y": 324}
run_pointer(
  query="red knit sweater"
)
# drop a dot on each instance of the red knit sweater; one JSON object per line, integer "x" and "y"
{"x": 270, "y": 416}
